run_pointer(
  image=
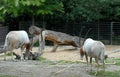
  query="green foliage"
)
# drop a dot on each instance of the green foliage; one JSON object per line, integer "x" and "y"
{"x": 17, "y": 8}
{"x": 91, "y": 10}
{"x": 67, "y": 10}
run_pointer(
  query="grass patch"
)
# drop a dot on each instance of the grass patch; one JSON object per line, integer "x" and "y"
{"x": 112, "y": 60}
{"x": 117, "y": 61}
{"x": 7, "y": 76}
{"x": 44, "y": 60}
{"x": 62, "y": 62}
{"x": 107, "y": 74}
{"x": 9, "y": 54}
{"x": 36, "y": 44}
{"x": 67, "y": 62}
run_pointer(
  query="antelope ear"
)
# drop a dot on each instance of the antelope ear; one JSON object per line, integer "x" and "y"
{"x": 82, "y": 53}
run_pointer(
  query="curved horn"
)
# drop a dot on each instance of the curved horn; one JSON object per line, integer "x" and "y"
{"x": 86, "y": 35}
{"x": 80, "y": 34}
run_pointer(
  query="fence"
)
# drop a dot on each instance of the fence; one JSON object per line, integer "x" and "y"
{"x": 107, "y": 32}
{"x": 3, "y": 32}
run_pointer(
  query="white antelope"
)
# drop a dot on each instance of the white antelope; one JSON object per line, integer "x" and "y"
{"x": 93, "y": 49}
{"x": 17, "y": 39}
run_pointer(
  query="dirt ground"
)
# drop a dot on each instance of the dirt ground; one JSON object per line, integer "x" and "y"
{"x": 46, "y": 69}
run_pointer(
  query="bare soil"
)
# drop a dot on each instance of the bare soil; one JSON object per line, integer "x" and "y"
{"x": 37, "y": 68}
